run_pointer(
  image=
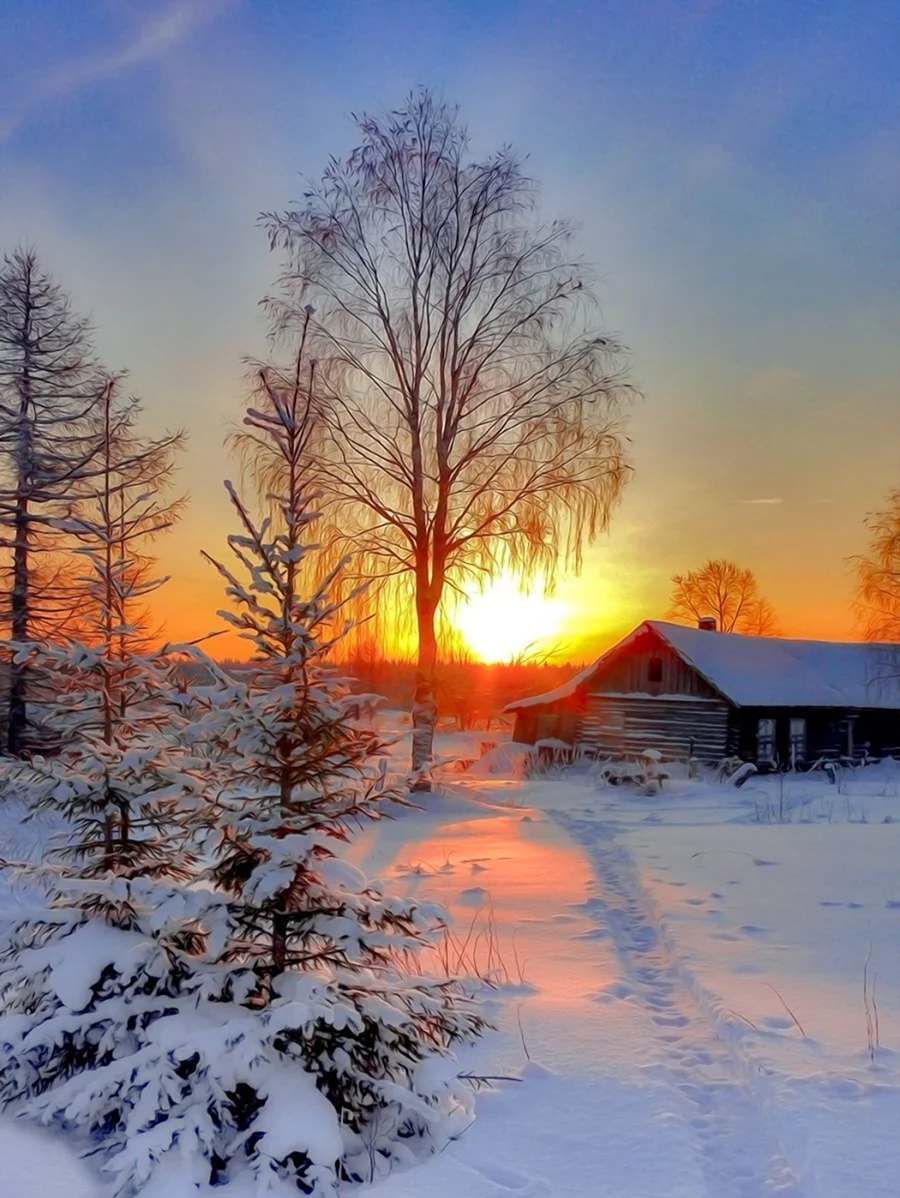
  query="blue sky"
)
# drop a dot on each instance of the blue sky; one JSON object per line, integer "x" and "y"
{"x": 734, "y": 169}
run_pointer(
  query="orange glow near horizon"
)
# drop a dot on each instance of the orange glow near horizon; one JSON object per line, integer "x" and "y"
{"x": 503, "y": 621}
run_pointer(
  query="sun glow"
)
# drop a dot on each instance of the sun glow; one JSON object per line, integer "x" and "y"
{"x": 503, "y": 621}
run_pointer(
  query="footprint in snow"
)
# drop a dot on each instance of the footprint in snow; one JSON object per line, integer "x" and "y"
{"x": 618, "y": 990}
{"x": 752, "y": 929}
{"x": 660, "y": 1004}
{"x": 670, "y": 1020}
{"x": 643, "y": 939}
{"x": 474, "y": 894}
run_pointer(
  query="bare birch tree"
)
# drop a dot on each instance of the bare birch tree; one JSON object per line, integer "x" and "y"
{"x": 726, "y": 591}
{"x": 49, "y": 386}
{"x": 878, "y": 574}
{"x": 472, "y": 408}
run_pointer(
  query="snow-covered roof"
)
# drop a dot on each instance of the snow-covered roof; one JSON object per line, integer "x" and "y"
{"x": 561, "y": 692}
{"x": 762, "y": 671}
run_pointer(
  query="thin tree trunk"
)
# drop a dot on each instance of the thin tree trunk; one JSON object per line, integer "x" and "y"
{"x": 114, "y": 829}
{"x": 279, "y": 942}
{"x": 17, "y": 721}
{"x": 424, "y": 708}
{"x": 20, "y": 600}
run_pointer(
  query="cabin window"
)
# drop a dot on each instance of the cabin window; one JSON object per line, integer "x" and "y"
{"x": 655, "y": 669}
{"x": 798, "y": 739}
{"x": 765, "y": 740}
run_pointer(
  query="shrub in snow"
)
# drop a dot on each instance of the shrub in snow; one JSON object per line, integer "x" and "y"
{"x": 509, "y": 760}
{"x": 264, "y": 1016}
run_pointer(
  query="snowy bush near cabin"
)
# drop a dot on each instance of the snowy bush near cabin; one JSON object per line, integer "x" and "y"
{"x": 509, "y": 760}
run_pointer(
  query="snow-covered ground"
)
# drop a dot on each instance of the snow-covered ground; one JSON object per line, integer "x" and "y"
{"x": 699, "y": 992}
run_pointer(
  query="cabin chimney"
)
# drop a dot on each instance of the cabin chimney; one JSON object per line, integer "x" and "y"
{"x": 707, "y": 623}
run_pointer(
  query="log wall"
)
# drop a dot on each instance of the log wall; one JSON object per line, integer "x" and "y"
{"x": 624, "y": 725}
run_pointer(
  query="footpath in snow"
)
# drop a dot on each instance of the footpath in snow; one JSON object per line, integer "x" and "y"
{"x": 587, "y": 1104}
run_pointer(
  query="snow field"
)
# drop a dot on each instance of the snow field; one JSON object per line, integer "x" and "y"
{"x": 728, "y": 931}
{"x": 678, "y": 1002}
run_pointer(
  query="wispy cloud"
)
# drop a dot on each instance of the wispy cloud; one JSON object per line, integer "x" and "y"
{"x": 759, "y": 502}
{"x": 147, "y": 43}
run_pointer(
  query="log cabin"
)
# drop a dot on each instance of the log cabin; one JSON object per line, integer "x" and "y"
{"x": 695, "y": 692}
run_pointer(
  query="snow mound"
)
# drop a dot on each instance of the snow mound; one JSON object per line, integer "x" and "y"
{"x": 511, "y": 760}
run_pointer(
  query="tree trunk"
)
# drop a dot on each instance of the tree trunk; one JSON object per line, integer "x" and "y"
{"x": 279, "y": 942}
{"x": 20, "y": 600}
{"x": 17, "y": 719}
{"x": 281, "y": 919}
{"x": 424, "y": 708}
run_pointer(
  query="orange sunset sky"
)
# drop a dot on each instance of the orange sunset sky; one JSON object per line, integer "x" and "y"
{"x": 734, "y": 170}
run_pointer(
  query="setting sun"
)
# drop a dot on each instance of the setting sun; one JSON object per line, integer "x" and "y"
{"x": 503, "y": 621}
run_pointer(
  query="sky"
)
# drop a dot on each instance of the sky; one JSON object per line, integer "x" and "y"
{"x": 733, "y": 168}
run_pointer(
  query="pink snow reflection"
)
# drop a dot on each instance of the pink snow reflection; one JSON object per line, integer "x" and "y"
{"x": 515, "y": 886}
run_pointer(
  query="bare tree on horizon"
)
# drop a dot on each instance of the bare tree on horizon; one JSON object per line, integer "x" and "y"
{"x": 472, "y": 411}
{"x": 727, "y": 591}
{"x": 878, "y": 574}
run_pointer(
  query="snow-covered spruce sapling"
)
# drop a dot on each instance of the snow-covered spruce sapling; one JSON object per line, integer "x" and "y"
{"x": 290, "y": 774}
{"x": 83, "y": 977}
{"x": 262, "y": 1019}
